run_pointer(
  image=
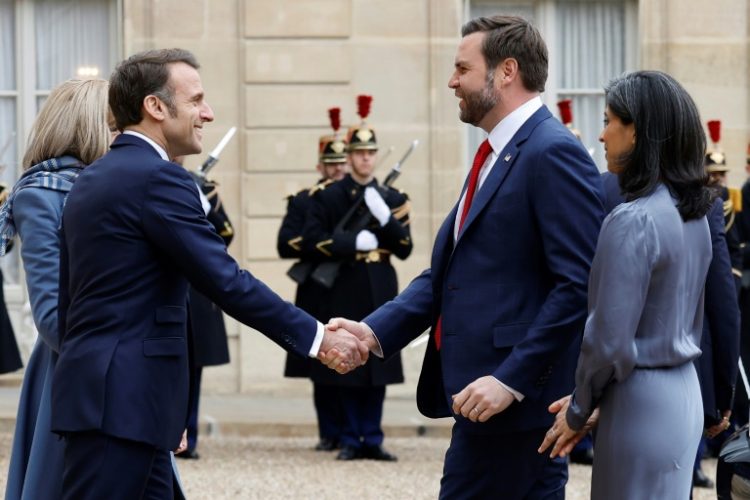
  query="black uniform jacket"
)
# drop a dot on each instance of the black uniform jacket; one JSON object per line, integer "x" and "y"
{"x": 208, "y": 334}
{"x": 310, "y": 295}
{"x": 365, "y": 280}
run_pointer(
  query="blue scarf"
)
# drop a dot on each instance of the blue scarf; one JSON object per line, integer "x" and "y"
{"x": 57, "y": 174}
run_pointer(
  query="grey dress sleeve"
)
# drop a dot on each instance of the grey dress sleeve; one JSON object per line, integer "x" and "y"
{"x": 37, "y": 213}
{"x": 626, "y": 253}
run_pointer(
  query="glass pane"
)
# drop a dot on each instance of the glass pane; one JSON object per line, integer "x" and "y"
{"x": 591, "y": 46}
{"x": 8, "y": 170}
{"x": 590, "y": 43}
{"x": 72, "y": 39}
{"x": 40, "y": 99}
{"x": 7, "y": 45}
{"x": 588, "y": 113}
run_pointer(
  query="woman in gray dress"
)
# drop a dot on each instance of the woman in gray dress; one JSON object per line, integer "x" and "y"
{"x": 645, "y": 300}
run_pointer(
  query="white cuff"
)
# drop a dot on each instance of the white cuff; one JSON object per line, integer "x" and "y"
{"x": 378, "y": 351}
{"x": 315, "y": 347}
{"x": 519, "y": 397}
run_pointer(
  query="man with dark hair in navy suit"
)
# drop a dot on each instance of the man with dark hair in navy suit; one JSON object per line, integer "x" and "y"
{"x": 506, "y": 292}
{"x": 133, "y": 235}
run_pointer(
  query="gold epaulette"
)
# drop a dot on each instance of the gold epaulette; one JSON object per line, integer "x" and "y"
{"x": 735, "y": 196}
{"x": 320, "y": 186}
{"x": 227, "y": 230}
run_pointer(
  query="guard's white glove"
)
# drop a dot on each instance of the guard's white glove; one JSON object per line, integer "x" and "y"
{"x": 366, "y": 241}
{"x": 377, "y": 205}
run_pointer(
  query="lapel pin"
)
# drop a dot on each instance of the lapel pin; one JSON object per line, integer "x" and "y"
{"x": 507, "y": 157}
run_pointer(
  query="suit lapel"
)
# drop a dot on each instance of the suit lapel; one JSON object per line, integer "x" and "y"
{"x": 502, "y": 166}
{"x": 443, "y": 246}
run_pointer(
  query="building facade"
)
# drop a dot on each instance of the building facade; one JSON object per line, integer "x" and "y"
{"x": 272, "y": 69}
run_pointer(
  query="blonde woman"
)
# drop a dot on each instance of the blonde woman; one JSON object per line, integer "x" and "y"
{"x": 70, "y": 132}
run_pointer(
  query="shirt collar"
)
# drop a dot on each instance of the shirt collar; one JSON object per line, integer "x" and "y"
{"x": 158, "y": 148}
{"x": 504, "y": 131}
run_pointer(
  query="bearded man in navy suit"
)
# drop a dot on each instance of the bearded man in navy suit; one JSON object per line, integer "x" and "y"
{"x": 505, "y": 296}
{"x": 134, "y": 234}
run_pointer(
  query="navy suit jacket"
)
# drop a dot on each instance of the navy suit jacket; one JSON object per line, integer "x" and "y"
{"x": 133, "y": 235}
{"x": 512, "y": 290}
{"x": 720, "y": 343}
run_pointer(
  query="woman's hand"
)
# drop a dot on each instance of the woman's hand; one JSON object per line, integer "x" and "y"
{"x": 560, "y": 435}
{"x": 717, "y": 429}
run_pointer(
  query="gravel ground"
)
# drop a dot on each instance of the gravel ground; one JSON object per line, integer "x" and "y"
{"x": 271, "y": 468}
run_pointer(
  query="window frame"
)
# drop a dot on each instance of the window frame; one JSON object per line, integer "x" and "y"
{"x": 26, "y": 96}
{"x": 545, "y": 12}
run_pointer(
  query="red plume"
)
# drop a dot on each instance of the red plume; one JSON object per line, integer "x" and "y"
{"x": 335, "y": 115}
{"x": 714, "y": 130}
{"x": 566, "y": 111}
{"x": 363, "y": 105}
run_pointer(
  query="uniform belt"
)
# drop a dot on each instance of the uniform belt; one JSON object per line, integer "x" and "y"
{"x": 373, "y": 256}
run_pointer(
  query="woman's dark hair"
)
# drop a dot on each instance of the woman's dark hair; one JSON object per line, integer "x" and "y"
{"x": 669, "y": 140}
{"x": 140, "y": 75}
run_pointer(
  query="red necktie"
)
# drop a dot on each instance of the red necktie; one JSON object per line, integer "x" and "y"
{"x": 482, "y": 153}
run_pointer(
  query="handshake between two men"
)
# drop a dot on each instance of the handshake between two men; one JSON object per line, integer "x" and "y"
{"x": 348, "y": 344}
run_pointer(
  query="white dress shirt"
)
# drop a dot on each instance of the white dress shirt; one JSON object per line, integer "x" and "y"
{"x": 499, "y": 137}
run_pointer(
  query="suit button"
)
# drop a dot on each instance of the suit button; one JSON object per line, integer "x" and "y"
{"x": 452, "y": 287}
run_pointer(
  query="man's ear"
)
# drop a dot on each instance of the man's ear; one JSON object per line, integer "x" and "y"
{"x": 154, "y": 108}
{"x": 506, "y": 72}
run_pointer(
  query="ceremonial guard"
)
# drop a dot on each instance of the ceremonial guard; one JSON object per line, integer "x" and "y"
{"x": 716, "y": 167}
{"x": 208, "y": 335}
{"x": 355, "y": 226}
{"x": 565, "y": 107}
{"x": 332, "y": 166}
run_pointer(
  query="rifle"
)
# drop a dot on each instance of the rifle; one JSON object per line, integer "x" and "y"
{"x": 213, "y": 156}
{"x": 327, "y": 272}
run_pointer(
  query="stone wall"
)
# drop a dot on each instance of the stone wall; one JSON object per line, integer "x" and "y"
{"x": 706, "y": 46}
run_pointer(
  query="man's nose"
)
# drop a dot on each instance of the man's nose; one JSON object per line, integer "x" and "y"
{"x": 207, "y": 114}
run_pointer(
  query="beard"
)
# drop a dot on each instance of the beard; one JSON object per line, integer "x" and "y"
{"x": 478, "y": 104}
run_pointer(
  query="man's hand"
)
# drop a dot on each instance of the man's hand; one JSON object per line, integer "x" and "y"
{"x": 563, "y": 437}
{"x": 342, "y": 351}
{"x": 482, "y": 399}
{"x": 356, "y": 328}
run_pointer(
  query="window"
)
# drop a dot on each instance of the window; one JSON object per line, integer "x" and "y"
{"x": 42, "y": 43}
{"x": 589, "y": 42}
